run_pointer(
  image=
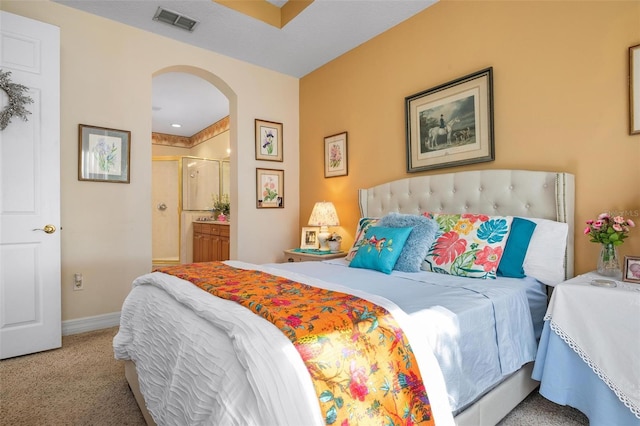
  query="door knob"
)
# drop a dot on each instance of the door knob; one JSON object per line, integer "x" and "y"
{"x": 49, "y": 229}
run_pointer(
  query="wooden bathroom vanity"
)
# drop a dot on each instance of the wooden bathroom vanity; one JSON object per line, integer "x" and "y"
{"x": 210, "y": 241}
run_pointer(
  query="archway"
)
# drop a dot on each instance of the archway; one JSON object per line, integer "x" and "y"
{"x": 173, "y": 149}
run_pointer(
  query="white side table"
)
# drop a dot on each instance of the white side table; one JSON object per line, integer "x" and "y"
{"x": 588, "y": 353}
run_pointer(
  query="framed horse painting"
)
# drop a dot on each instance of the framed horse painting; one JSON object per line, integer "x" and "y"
{"x": 451, "y": 124}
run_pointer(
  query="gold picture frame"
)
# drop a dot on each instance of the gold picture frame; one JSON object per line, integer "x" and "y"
{"x": 268, "y": 140}
{"x": 269, "y": 188}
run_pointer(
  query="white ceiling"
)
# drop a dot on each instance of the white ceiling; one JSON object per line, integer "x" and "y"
{"x": 320, "y": 33}
{"x": 181, "y": 98}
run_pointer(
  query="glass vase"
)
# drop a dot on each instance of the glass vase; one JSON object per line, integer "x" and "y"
{"x": 608, "y": 261}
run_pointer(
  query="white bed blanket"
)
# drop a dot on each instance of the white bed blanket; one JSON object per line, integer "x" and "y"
{"x": 206, "y": 360}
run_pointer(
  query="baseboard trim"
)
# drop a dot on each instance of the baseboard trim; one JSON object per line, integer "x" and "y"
{"x": 98, "y": 322}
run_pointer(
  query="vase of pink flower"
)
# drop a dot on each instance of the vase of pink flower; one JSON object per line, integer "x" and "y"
{"x": 610, "y": 232}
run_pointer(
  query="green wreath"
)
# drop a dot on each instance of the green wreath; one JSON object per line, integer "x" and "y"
{"x": 17, "y": 100}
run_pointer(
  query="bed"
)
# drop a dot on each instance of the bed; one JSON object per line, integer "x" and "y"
{"x": 192, "y": 358}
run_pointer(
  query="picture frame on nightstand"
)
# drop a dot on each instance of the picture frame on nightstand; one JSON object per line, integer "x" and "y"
{"x": 631, "y": 272}
{"x": 309, "y": 238}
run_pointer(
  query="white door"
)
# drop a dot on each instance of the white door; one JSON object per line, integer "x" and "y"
{"x": 30, "y": 319}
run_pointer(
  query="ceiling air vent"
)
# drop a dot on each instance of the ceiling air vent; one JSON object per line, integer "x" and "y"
{"x": 175, "y": 19}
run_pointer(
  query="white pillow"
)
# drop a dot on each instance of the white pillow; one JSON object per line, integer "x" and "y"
{"x": 546, "y": 253}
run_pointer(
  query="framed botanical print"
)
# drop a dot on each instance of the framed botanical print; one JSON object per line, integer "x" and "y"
{"x": 335, "y": 155}
{"x": 269, "y": 188}
{"x": 268, "y": 140}
{"x": 103, "y": 154}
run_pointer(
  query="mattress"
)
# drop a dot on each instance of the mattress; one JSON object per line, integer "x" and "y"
{"x": 204, "y": 360}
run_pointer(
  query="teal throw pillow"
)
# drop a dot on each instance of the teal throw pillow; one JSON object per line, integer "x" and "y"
{"x": 380, "y": 248}
{"x": 516, "y": 248}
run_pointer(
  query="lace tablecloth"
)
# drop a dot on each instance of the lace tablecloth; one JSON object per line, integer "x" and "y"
{"x": 602, "y": 325}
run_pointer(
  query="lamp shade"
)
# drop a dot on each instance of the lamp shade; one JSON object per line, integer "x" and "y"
{"x": 324, "y": 214}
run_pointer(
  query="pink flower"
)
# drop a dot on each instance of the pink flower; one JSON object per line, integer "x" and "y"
{"x": 358, "y": 384}
{"x": 306, "y": 352}
{"x": 489, "y": 258}
{"x": 608, "y": 229}
{"x": 293, "y": 321}
{"x": 281, "y": 302}
{"x": 475, "y": 217}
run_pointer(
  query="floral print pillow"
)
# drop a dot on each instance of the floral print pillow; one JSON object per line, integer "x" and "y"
{"x": 468, "y": 245}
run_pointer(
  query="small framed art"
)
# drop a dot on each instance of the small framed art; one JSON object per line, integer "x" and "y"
{"x": 631, "y": 271}
{"x": 335, "y": 155}
{"x": 309, "y": 238}
{"x": 269, "y": 188}
{"x": 451, "y": 124}
{"x": 268, "y": 140}
{"x": 634, "y": 90}
{"x": 103, "y": 154}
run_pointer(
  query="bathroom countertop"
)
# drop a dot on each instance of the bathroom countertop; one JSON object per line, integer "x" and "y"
{"x": 217, "y": 222}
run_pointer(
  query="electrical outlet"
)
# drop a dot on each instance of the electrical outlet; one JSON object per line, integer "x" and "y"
{"x": 77, "y": 282}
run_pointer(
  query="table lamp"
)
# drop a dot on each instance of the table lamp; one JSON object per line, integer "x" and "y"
{"x": 324, "y": 215}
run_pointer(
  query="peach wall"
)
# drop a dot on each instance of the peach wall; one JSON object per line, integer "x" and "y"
{"x": 561, "y": 99}
{"x": 106, "y": 80}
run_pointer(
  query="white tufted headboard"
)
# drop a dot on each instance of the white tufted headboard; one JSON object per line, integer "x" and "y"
{"x": 524, "y": 193}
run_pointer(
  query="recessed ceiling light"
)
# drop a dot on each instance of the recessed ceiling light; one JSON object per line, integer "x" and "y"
{"x": 176, "y": 125}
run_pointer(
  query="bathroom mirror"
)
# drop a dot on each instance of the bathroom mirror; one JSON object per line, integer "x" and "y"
{"x": 200, "y": 182}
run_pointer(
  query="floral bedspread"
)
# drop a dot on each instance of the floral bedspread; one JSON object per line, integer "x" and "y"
{"x": 360, "y": 361}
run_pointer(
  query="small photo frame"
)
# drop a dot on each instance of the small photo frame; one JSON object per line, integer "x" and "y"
{"x": 103, "y": 154}
{"x": 451, "y": 124}
{"x": 268, "y": 140}
{"x": 335, "y": 155}
{"x": 309, "y": 238}
{"x": 634, "y": 90}
{"x": 269, "y": 189}
{"x": 631, "y": 271}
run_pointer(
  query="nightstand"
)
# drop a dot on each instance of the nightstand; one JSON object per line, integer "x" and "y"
{"x": 587, "y": 356}
{"x": 298, "y": 255}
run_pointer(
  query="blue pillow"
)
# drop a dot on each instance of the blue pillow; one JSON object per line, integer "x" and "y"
{"x": 516, "y": 248}
{"x": 380, "y": 248}
{"x": 419, "y": 242}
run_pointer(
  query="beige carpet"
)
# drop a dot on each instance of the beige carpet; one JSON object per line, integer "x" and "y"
{"x": 79, "y": 384}
{"x": 82, "y": 384}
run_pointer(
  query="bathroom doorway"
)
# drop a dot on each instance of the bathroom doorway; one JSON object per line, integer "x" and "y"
{"x": 190, "y": 119}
